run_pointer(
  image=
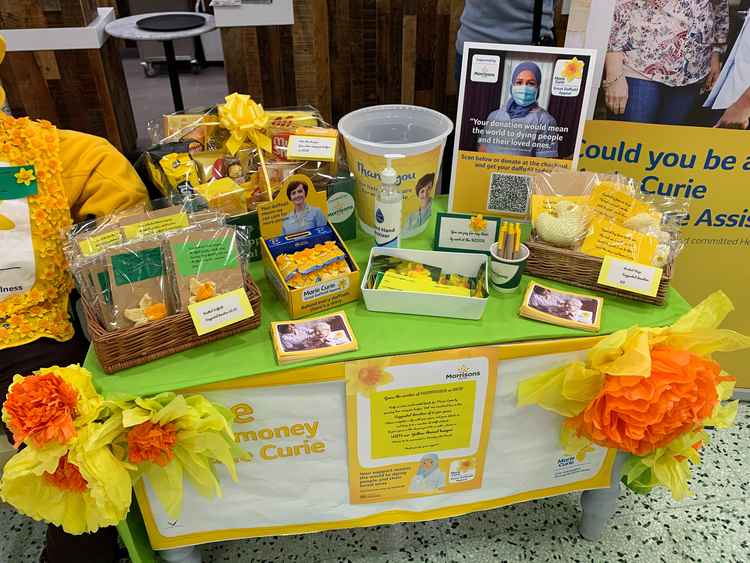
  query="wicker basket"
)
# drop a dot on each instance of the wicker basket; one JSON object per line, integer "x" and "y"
{"x": 121, "y": 349}
{"x": 582, "y": 270}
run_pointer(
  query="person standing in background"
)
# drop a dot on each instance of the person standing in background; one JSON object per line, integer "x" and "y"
{"x": 662, "y": 54}
{"x": 503, "y": 21}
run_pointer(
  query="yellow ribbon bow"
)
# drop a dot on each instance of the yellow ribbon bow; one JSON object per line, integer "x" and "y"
{"x": 245, "y": 121}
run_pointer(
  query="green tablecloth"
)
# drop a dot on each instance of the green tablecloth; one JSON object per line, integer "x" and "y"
{"x": 379, "y": 334}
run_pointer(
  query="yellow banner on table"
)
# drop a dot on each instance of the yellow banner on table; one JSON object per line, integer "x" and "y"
{"x": 708, "y": 167}
{"x": 418, "y": 428}
{"x": 298, "y": 428}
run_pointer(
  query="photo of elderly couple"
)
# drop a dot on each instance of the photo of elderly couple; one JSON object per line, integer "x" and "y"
{"x": 562, "y": 308}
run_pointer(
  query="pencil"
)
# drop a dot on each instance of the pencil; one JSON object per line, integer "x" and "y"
{"x": 501, "y": 236}
{"x": 508, "y": 246}
{"x": 517, "y": 247}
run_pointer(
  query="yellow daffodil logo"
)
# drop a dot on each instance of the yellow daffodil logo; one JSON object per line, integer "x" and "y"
{"x": 466, "y": 465}
{"x": 478, "y": 223}
{"x": 581, "y": 455}
{"x": 572, "y": 70}
{"x": 366, "y": 376}
{"x": 25, "y": 176}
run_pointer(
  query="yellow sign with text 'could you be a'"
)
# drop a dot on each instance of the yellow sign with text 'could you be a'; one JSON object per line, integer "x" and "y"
{"x": 711, "y": 169}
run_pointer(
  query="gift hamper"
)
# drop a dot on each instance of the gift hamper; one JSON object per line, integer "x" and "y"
{"x": 139, "y": 272}
{"x": 579, "y": 218}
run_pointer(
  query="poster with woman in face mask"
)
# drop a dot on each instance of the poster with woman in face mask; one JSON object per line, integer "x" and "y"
{"x": 521, "y": 110}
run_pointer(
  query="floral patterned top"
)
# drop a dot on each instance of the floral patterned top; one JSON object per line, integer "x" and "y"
{"x": 669, "y": 41}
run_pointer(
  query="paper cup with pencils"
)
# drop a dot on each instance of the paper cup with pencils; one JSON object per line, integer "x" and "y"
{"x": 509, "y": 257}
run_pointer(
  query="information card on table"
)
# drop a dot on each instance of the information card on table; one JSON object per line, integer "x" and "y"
{"x": 630, "y": 276}
{"x": 417, "y": 429}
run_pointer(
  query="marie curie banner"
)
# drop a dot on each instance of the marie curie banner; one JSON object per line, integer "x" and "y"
{"x": 475, "y": 449}
{"x": 709, "y": 168}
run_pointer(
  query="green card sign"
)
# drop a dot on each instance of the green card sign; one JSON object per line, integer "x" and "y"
{"x": 459, "y": 232}
{"x": 132, "y": 267}
{"x": 204, "y": 256}
{"x": 17, "y": 181}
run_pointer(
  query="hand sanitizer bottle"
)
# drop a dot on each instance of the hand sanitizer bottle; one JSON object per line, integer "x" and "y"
{"x": 388, "y": 204}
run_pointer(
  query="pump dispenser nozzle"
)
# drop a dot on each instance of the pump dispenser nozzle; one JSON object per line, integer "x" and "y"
{"x": 389, "y": 175}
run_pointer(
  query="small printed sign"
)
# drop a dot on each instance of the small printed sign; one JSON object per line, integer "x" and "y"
{"x": 220, "y": 311}
{"x": 98, "y": 243}
{"x": 465, "y": 233}
{"x": 567, "y": 77}
{"x": 630, "y": 276}
{"x": 311, "y": 148}
{"x": 155, "y": 226}
{"x": 485, "y": 68}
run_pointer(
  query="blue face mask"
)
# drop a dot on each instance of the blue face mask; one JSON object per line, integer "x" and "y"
{"x": 523, "y": 94}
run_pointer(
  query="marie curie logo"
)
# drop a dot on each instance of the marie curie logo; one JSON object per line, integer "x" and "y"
{"x": 325, "y": 288}
{"x": 485, "y": 68}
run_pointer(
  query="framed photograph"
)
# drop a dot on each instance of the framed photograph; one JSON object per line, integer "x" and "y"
{"x": 312, "y": 338}
{"x": 562, "y": 308}
{"x": 521, "y": 110}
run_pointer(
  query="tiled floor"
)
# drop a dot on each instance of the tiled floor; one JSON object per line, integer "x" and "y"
{"x": 711, "y": 527}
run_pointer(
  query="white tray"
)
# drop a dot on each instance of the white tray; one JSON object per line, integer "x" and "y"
{"x": 415, "y": 303}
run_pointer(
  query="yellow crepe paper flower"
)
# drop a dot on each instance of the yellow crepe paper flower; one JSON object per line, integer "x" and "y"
{"x": 171, "y": 436}
{"x": 593, "y": 395}
{"x": 569, "y": 389}
{"x": 365, "y": 376}
{"x": 25, "y": 176}
{"x": 478, "y": 223}
{"x": 81, "y": 487}
{"x": 51, "y": 405}
{"x": 572, "y": 70}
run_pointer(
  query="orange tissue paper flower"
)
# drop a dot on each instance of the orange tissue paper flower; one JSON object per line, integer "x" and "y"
{"x": 67, "y": 477}
{"x": 152, "y": 442}
{"x": 640, "y": 414}
{"x": 41, "y": 407}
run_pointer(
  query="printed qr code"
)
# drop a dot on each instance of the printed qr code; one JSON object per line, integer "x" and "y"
{"x": 509, "y": 193}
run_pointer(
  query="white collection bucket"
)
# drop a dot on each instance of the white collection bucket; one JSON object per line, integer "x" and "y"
{"x": 416, "y": 132}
